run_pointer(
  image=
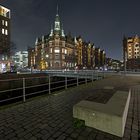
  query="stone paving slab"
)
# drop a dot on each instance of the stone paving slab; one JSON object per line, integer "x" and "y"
{"x": 50, "y": 117}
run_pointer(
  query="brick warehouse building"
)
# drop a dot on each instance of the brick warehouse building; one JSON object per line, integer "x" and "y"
{"x": 131, "y": 52}
{"x": 59, "y": 51}
{"x": 53, "y": 51}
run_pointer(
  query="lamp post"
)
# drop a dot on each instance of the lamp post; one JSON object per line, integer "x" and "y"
{"x": 125, "y": 59}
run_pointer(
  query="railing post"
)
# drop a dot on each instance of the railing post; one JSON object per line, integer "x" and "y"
{"x": 103, "y": 74}
{"x": 97, "y": 75}
{"x": 65, "y": 82}
{"x": 49, "y": 84}
{"x": 77, "y": 80}
{"x": 92, "y": 76}
{"x": 23, "y": 81}
{"x": 86, "y": 78}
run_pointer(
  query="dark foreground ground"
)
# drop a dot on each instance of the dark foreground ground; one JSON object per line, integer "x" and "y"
{"x": 50, "y": 117}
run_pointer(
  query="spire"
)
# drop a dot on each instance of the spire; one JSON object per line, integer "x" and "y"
{"x": 51, "y": 34}
{"x": 62, "y": 31}
{"x": 57, "y": 27}
{"x": 36, "y": 41}
{"x": 57, "y": 10}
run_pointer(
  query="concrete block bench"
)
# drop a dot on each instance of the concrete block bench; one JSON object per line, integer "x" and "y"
{"x": 109, "y": 117}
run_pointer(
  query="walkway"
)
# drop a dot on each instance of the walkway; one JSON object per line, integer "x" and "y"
{"x": 50, "y": 117}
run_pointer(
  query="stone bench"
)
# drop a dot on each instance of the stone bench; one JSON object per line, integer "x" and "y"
{"x": 109, "y": 117}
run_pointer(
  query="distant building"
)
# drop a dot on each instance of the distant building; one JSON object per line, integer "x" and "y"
{"x": 20, "y": 59}
{"x": 85, "y": 54}
{"x": 131, "y": 52}
{"x": 113, "y": 64}
{"x": 97, "y": 57}
{"x": 4, "y": 39}
{"x": 79, "y": 45}
{"x": 102, "y": 58}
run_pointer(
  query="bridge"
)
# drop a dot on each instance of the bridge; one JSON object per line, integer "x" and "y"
{"x": 89, "y": 74}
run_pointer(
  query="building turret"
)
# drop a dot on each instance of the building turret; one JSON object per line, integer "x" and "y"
{"x": 57, "y": 26}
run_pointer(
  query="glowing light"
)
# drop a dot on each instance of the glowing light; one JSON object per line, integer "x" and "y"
{"x": 57, "y": 51}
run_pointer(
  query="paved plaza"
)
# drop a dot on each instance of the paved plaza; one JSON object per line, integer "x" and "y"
{"x": 50, "y": 117}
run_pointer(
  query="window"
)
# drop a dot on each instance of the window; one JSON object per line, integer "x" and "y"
{"x": 57, "y": 51}
{"x": 6, "y": 32}
{"x": 50, "y": 50}
{"x": 136, "y": 45}
{"x": 6, "y": 23}
{"x": 57, "y": 56}
{"x": 65, "y": 51}
{"x": 2, "y": 31}
{"x": 63, "y": 56}
{"x": 56, "y": 42}
{"x": 2, "y": 22}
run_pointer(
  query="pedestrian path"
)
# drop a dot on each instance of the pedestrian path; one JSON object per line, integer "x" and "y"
{"x": 50, "y": 117}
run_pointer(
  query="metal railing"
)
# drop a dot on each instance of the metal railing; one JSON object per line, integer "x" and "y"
{"x": 25, "y": 87}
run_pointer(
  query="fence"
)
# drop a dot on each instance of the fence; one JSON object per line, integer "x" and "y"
{"x": 21, "y": 88}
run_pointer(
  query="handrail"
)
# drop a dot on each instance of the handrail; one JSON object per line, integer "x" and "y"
{"x": 67, "y": 83}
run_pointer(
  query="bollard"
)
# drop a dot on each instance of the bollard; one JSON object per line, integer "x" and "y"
{"x": 65, "y": 82}
{"x": 86, "y": 78}
{"x": 77, "y": 80}
{"x": 92, "y": 76}
{"x": 24, "y": 98}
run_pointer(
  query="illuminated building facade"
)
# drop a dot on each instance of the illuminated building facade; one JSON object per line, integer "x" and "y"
{"x": 131, "y": 52}
{"x": 20, "y": 59}
{"x": 54, "y": 51}
{"x": 102, "y": 58}
{"x": 97, "y": 57}
{"x": 4, "y": 38}
{"x": 79, "y": 51}
{"x": 85, "y": 53}
{"x": 59, "y": 51}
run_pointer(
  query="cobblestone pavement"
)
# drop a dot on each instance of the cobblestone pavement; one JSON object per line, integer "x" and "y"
{"x": 50, "y": 117}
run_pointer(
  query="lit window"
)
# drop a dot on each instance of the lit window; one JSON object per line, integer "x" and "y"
{"x": 6, "y": 23}
{"x": 2, "y": 31}
{"x": 47, "y": 55}
{"x": 65, "y": 51}
{"x": 6, "y": 32}
{"x": 2, "y": 22}
{"x": 57, "y": 51}
{"x": 50, "y": 50}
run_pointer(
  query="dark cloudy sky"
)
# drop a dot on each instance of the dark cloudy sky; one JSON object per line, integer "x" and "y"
{"x": 103, "y": 22}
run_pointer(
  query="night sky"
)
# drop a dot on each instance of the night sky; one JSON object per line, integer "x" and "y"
{"x": 102, "y": 22}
